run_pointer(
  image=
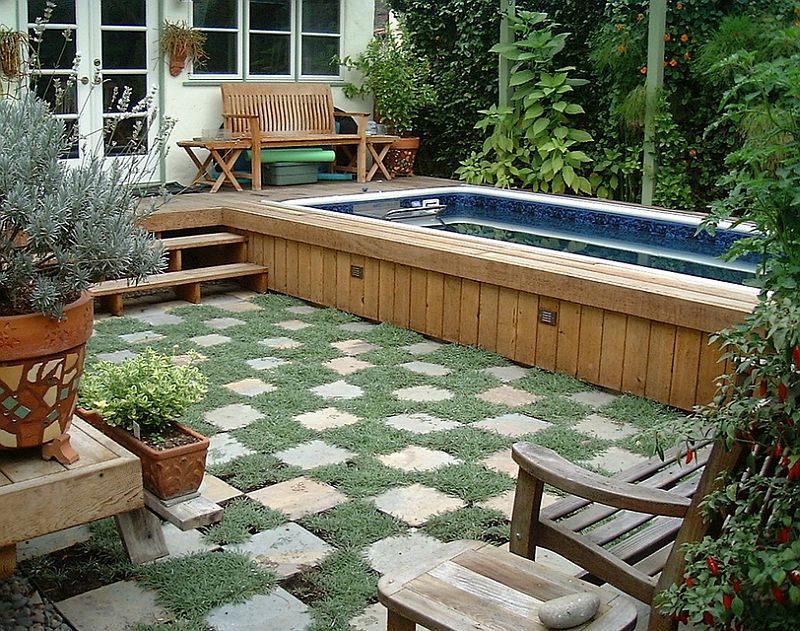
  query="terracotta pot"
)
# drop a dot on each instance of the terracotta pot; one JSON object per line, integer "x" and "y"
{"x": 166, "y": 473}
{"x": 40, "y": 369}
{"x": 401, "y": 155}
{"x": 177, "y": 62}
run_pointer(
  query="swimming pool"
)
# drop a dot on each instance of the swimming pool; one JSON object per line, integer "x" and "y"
{"x": 626, "y": 233}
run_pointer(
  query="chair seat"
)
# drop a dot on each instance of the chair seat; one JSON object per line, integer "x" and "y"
{"x": 480, "y": 587}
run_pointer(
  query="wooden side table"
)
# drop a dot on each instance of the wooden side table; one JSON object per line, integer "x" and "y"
{"x": 222, "y": 153}
{"x": 482, "y": 587}
{"x": 377, "y": 146}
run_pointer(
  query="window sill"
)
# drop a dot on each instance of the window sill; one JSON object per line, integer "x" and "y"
{"x": 334, "y": 82}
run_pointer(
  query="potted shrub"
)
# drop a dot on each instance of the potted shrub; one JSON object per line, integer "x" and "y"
{"x": 61, "y": 229}
{"x": 10, "y": 44}
{"x": 397, "y": 78}
{"x": 137, "y": 403}
{"x": 179, "y": 42}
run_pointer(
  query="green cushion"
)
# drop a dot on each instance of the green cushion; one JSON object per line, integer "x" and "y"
{"x": 300, "y": 154}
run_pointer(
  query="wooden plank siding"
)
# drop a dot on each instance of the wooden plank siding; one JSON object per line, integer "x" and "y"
{"x": 619, "y": 327}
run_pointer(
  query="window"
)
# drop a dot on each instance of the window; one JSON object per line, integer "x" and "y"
{"x": 289, "y": 39}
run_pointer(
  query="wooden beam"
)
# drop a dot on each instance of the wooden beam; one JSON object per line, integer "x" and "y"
{"x": 507, "y": 9}
{"x": 655, "y": 80}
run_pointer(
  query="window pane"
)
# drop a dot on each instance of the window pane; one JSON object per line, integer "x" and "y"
{"x": 318, "y": 53}
{"x": 321, "y": 16}
{"x": 270, "y": 15}
{"x": 269, "y": 54}
{"x": 114, "y": 91}
{"x": 123, "y": 12}
{"x": 63, "y": 13}
{"x": 123, "y": 49}
{"x": 216, "y": 13}
{"x": 61, "y": 94}
{"x": 125, "y": 136}
{"x": 222, "y": 54}
{"x": 55, "y": 51}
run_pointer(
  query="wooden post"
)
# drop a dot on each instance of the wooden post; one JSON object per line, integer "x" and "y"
{"x": 506, "y": 37}
{"x": 655, "y": 79}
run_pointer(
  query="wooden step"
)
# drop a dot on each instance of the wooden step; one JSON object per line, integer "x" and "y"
{"x": 185, "y": 282}
{"x": 205, "y": 240}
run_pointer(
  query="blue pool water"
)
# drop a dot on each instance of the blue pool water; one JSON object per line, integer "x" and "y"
{"x": 618, "y": 232}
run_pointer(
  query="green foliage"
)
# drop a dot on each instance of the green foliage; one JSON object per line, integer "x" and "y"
{"x": 242, "y": 518}
{"x": 469, "y": 523}
{"x": 149, "y": 390}
{"x": 61, "y": 228}
{"x": 532, "y": 143}
{"x": 396, "y": 75}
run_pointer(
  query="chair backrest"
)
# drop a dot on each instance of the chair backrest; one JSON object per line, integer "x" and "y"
{"x": 281, "y": 107}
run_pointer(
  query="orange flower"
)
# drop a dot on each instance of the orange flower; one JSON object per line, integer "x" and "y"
{"x": 673, "y": 62}
{"x": 621, "y": 49}
{"x": 684, "y": 38}
{"x": 679, "y": 5}
{"x": 687, "y": 56}
{"x": 667, "y": 37}
{"x": 693, "y": 152}
{"x": 643, "y": 69}
{"x": 640, "y": 17}
{"x": 619, "y": 26}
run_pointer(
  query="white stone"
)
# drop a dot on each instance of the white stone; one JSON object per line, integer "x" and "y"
{"x": 326, "y": 418}
{"x": 426, "y": 368}
{"x": 423, "y": 394}
{"x": 338, "y": 390}
{"x": 420, "y": 423}
{"x": 266, "y": 363}
{"x": 569, "y": 611}
{"x": 354, "y": 347}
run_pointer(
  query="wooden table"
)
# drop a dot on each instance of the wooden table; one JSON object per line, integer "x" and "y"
{"x": 38, "y": 496}
{"x": 222, "y": 153}
{"x": 378, "y": 146}
{"x": 482, "y": 587}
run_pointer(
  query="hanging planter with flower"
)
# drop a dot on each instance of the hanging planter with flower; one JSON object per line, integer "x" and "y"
{"x": 180, "y": 43}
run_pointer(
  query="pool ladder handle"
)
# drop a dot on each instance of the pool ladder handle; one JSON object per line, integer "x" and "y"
{"x": 412, "y": 213}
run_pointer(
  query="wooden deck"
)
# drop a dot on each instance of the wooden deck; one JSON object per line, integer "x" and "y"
{"x": 626, "y": 328}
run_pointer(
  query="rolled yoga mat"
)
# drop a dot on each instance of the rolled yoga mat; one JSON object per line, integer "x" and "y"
{"x": 301, "y": 154}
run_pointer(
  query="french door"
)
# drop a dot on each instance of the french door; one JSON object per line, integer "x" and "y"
{"x": 92, "y": 66}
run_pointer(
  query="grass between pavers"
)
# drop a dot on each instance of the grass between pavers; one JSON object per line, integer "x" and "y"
{"x": 344, "y": 584}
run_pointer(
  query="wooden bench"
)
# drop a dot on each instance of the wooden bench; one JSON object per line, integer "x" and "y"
{"x": 272, "y": 115}
{"x": 626, "y": 530}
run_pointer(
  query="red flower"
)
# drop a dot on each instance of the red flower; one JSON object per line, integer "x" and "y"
{"x": 778, "y": 595}
{"x": 713, "y": 566}
{"x": 784, "y": 534}
{"x": 727, "y": 601}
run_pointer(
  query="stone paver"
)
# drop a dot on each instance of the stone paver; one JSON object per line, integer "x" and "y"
{"x": 420, "y": 423}
{"x": 216, "y": 490}
{"x": 142, "y": 337}
{"x": 156, "y": 317}
{"x": 286, "y": 550}
{"x": 506, "y": 395}
{"x": 347, "y": 365}
{"x": 180, "y": 542}
{"x": 223, "y": 448}
{"x": 233, "y": 416}
{"x": 615, "y": 459}
{"x": 223, "y": 323}
{"x": 299, "y": 497}
{"x": 239, "y": 306}
{"x": 501, "y": 462}
{"x": 354, "y": 347}
{"x": 414, "y": 458}
{"x": 416, "y": 504}
{"x": 46, "y": 544}
{"x": 427, "y": 369}
{"x": 279, "y": 609}
{"x": 293, "y": 325}
{"x": 212, "y": 339}
{"x": 373, "y": 618}
{"x": 326, "y": 418}
{"x": 187, "y": 359}
{"x": 422, "y": 348}
{"x": 302, "y": 310}
{"x": 338, "y": 391}
{"x": 604, "y": 428}
{"x": 283, "y": 343}
{"x": 423, "y": 394}
{"x": 505, "y": 504}
{"x": 115, "y": 607}
{"x": 593, "y": 398}
{"x": 399, "y": 552}
{"x": 506, "y": 374}
{"x": 266, "y": 363}
{"x": 116, "y": 357}
{"x": 250, "y": 387}
{"x": 313, "y": 454}
{"x": 512, "y": 425}
{"x": 358, "y": 327}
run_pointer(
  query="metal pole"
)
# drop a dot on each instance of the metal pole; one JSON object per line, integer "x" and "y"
{"x": 655, "y": 79}
{"x": 507, "y": 8}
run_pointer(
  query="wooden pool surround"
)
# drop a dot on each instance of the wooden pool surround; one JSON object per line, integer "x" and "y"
{"x": 625, "y": 328}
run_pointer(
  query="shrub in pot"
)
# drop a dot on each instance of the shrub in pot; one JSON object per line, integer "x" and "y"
{"x": 137, "y": 403}
{"x": 61, "y": 229}
{"x": 397, "y": 77}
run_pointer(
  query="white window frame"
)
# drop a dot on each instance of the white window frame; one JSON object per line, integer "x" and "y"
{"x": 296, "y": 35}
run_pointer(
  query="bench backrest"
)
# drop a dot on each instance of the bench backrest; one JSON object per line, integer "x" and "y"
{"x": 281, "y": 107}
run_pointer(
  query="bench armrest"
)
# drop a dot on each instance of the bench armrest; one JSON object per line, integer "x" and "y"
{"x": 547, "y": 466}
{"x": 361, "y": 120}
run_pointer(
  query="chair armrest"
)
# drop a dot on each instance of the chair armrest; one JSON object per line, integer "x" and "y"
{"x": 546, "y": 465}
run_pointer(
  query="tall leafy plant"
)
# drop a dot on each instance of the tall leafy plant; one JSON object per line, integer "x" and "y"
{"x": 532, "y": 143}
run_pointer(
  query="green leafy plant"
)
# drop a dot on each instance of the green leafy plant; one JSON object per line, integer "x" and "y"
{"x": 531, "y": 142}
{"x": 148, "y": 390}
{"x": 396, "y": 75}
{"x": 62, "y": 228}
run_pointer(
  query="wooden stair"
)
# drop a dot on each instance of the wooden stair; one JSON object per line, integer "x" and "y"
{"x": 186, "y": 282}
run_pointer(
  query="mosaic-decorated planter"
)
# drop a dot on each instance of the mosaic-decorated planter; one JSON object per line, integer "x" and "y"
{"x": 41, "y": 363}
{"x": 166, "y": 473}
{"x": 401, "y": 156}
